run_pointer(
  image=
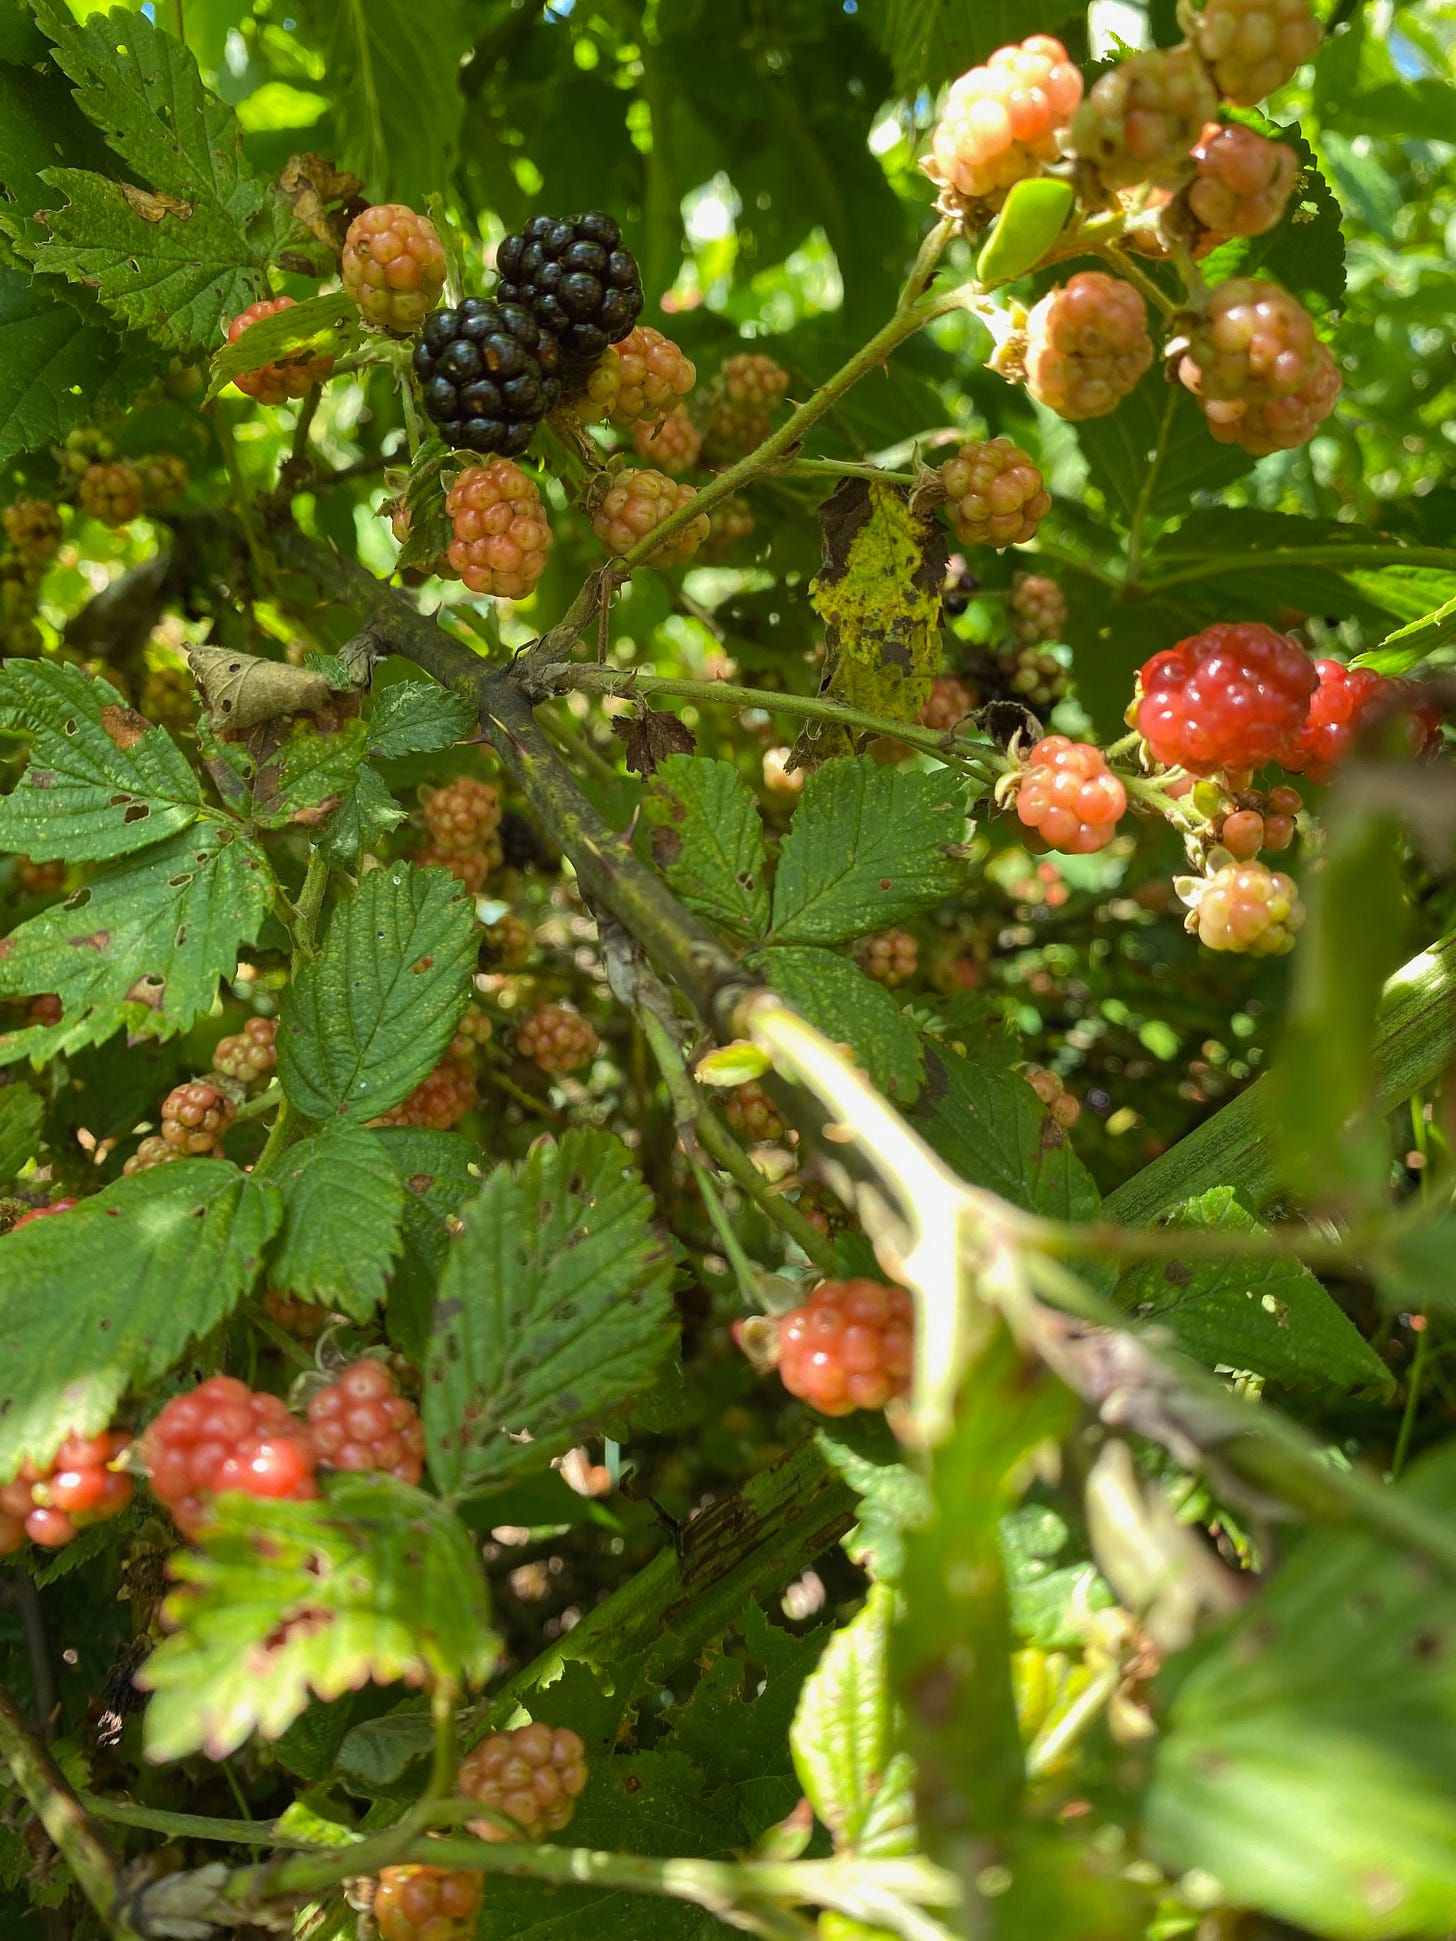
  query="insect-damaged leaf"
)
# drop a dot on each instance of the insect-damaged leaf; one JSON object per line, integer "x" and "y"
{"x": 878, "y": 594}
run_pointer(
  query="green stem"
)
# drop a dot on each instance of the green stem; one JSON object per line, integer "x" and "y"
{"x": 1131, "y": 272}
{"x": 262, "y": 1103}
{"x": 835, "y": 468}
{"x": 1147, "y": 488}
{"x": 1060, "y": 556}
{"x": 726, "y": 1153}
{"x": 309, "y": 902}
{"x": 61, "y": 1814}
{"x": 191, "y": 1826}
{"x": 1412, "y": 1396}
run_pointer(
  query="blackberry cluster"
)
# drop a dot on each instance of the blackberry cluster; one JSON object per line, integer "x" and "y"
{"x": 361, "y": 1421}
{"x": 574, "y": 277}
{"x": 753, "y": 1114}
{"x": 1063, "y": 1107}
{"x": 52, "y": 1502}
{"x": 1070, "y": 796}
{"x": 890, "y": 957}
{"x": 222, "y": 1436}
{"x": 848, "y": 1347}
{"x": 949, "y": 702}
{"x": 488, "y": 374}
{"x": 532, "y": 1773}
{"x": 1232, "y": 697}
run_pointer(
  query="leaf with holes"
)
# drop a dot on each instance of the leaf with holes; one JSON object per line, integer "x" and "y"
{"x": 342, "y": 1205}
{"x": 554, "y": 1309}
{"x": 866, "y": 847}
{"x": 309, "y": 776}
{"x": 707, "y": 839}
{"x": 283, "y": 1602}
{"x": 374, "y": 1015}
{"x": 110, "y": 1294}
{"x": 101, "y": 780}
{"x": 142, "y": 946}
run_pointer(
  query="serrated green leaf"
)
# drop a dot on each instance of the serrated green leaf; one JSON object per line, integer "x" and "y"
{"x": 101, "y": 782}
{"x": 430, "y": 526}
{"x": 62, "y": 363}
{"x": 1307, "y": 1760}
{"x": 893, "y": 1496}
{"x": 839, "y": 1000}
{"x": 142, "y": 946}
{"x": 708, "y": 841}
{"x": 111, "y": 1293}
{"x": 878, "y": 592}
{"x": 21, "y": 1112}
{"x": 286, "y": 1601}
{"x": 173, "y": 263}
{"x": 990, "y": 1127}
{"x": 342, "y": 1206}
{"x": 1409, "y": 645}
{"x": 439, "y": 1172}
{"x": 866, "y": 847}
{"x": 366, "y": 813}
{"x": 309, "y": 771}
{"x": 399, "y": 105}
{"x": 374, "y": 1755}
{"x": 554, "y": 1308}
{"x": 1049, "y": 1601}
{"x": 1151, "y": 455}
{"x": 844, "y": 1738}
{"x": 369, "y": 1020}
{"x": 1271, "y": 1316}
{"x": 417, "y": 718}
{"x": 320, "y": 326}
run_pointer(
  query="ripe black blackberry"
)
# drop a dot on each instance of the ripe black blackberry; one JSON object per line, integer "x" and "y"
{"x": 488, "y": 375}
{"x": 523, "y": 848}
{"x": 575, "y": 278}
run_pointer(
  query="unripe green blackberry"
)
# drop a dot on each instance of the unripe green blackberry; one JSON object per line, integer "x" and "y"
{"x": 249, "y": 1055}
{"x": 112, "y": 493}
{"x": 738, "y": 411}
{"x": 165, "y": 478}
{"x": 1087, "y": 345}
{"x": 393, "y": 266}
{"x": 152, "y": 1151}
{"x": 1142, "y": 117}
{"x": 672, "y": 445}
{"x": 33, "y": 527}
{"x": 995, "y": 494}
{"x": 635, "y": 504}
{"x": 1037, "y": 677}
{"x": 1038, "y": 609}
{"x": 752, "y": 1114}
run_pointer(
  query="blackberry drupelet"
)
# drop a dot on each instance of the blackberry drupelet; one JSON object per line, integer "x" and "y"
{"x": 574, "y": 277}
{"x": 487, "y": 375}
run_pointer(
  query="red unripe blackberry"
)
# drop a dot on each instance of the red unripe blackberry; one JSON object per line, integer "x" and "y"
{"x": 1254, "y": 46}
{"x": 1087, "y": 344}
{"x": 1063, "y": 1108}
{"x": 673, "y": 444}
{"x": 33, "y": 527}
{"x": 439, "y": 1101}
{"x": 574, "y": 277}
{"x": 996, "y": 495}
{"x": 1243, "y": 181}
{"x": 393, "y": 266}
{"x": 221, "y": 1436}
{"x": 947, "y": 704}
{"x": 77, "y": 1488}
{"x": 1253, "y": 341}
{"x": 502, "y": 535}
{"x": 1142, "y": 117}
{"x": 848, "y": 1347}
{"x": 249, "y": 1054}
{"x": 112, "y": 493}
{"x": 152, "y": 1151}
{"x": 1261, "y": 425}
{"x": 635, "y": 504}
{"x": 42, "y": 1213}
{"x": 653, "y": 376}
{"x": 752, "y": 1113}
{"x": 890, "y": 957}
{"x": 556, "y": 1040}
{"x": 1232, "y": 697}
{"x": 361, "y": 1421}
{"x": 488, "y": 374}
{"x": 506, "y": 944}
{"x": 1070, "y": 796}
{"x": 1242, "y": 834}
{"x": 463, "y": 814}
{"x": 290, "y": 377}
{"x": 1347, "y": 700}
{"x": 421, "y": 1903}
{"x": 165, "y": 478}
{"x": 533, "y": 1773}
{"x": 39, "y": 879}
{"x": 1038, "y": 608}
{"x": 469, "y": 867}
{"x": 195, "y": 1117}
{"x": 1245, "y": 907}
{"x": 1000, "y": 122}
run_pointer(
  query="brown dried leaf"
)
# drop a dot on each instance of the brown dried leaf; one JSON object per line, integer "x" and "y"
{"x": 241, "y": 690}
{"x": 651, "y": 735}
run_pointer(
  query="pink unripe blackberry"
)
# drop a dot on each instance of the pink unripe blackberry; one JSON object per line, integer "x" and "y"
{"x": 502, "y": 535}
{"x": 1245, "y": 907}
{"x": 393, "y": 266}
{"x": 1142, "y": 117}
{"x": 1087, "y": 344}
{"x": 439, "y": 1101}
{"x": 533, "y": 1773}
{"x": 1242, "y": 182}
{"x": 848, "y": 1347}
{"x": 290, "y": 377}
{"x": 635, "y": 504}
{"x": 1254, "y": 46}
{"x": 1001, "y": 121}
{"x": 361, "y": 1421}
{"x": 462, "y": 814}
{"x": 556, "y": 1040}
{"x": 995, "y": 494}
{"x": 653, "y": 376}
{"x": 672, "y": 445}
{"x": 1070, "y": 796}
